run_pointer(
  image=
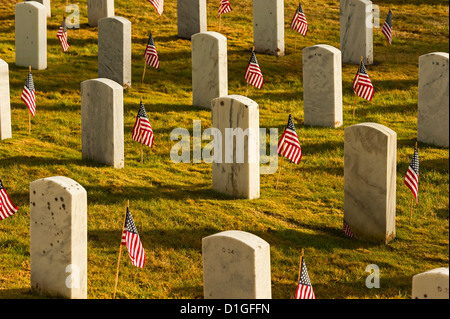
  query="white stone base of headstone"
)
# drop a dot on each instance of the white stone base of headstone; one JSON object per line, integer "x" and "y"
{"x": 370, "y": 170}
{"x": 238, "y": 172}
{"x": 58, "y": 238}
{"x": 31, "y": 35}
{"x": 322, "y": 86}
{"x": 356, "y": 31}
{"x": 191, "y": 17}
{"x": 432, "y": 284}
{"x": 97, "y": 9}
{"x": 209, "y": 68}
{"x": 5, "y": 103}
{"x": 433, "y": 101}
{"x": 268, "y": 26}
{"x": 236, "y": 265}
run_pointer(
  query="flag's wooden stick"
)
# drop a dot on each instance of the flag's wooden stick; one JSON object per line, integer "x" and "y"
{"x": 220, "y": 19}
{"x": 301, "y": 262}
{"x": 143, "y": 74}
{"x": 356, "y": 96}
{"x": 295, "y": 43}
{"x": 279, "y": 167}
{"x": 120, "y": 252}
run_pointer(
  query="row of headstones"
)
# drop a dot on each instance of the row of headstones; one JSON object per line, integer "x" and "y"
{"x": 236, "y": 264}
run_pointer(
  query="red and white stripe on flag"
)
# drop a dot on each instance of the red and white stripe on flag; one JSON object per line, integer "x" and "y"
{"x": 387, "y": 31}
{"x": 29, "y": 97}
{"x": 289, "y": 147}
{"x": 135, "y": 249}
{"x": 158, "y": 4}
{"x": 62, "y": 36}
{"x": 412, "y": 175}
{"x": 7, "y": 208}
{"x": 142, "y": 132}
{"x": 224, "y": 7}
{"x": 362, "y": 86}
{"x": 151, "y": 56}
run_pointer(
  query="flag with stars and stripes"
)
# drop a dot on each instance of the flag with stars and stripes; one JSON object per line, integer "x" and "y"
{"x": 362, "y": 86}
{"x": 7, "y": 208}
{"x": 130, "y": 238}
{"x": 347, "y": 229}
{"x": 142, "y": 130}
{"x": 387, "y": 27}
{"x": 253, "y": 75}
{"x": 299, "y": 22}
{"x": 62, "y": 35}
{"x": 224, "y": 7}
{"x": 150, "y": 55}
{"x": 158, "y": 4}
{"x": 412, "y": 175}
{"x": 29, "y": 94}
{"x": 304, "y": 287}
{"x": 289, "y": 146}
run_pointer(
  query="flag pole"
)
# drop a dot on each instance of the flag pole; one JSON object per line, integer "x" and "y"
{"x": 357, "y": 83}
{"x": 412, "y": 199}
{"x": 143, "y": 74}
{"x": 120, "y": 253}
{"x": 279, "y": 168}
{"x": 300, "y": 267}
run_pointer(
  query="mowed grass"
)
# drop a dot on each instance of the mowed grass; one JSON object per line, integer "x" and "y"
{"x": 173, "y": 204}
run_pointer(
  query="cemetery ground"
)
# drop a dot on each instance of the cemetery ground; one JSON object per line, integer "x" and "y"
{"x": 173, "y": 204}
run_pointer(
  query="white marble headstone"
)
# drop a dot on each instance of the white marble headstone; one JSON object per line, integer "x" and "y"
{"x": 370, "y": 170}
{"x": 356, "y": 31}
{"x": 47, "y": 5}
{"x": 97, "y": 9}
{"x": 114, "y": 50}
{"x": 191, "y": 17}
{"x": 237, "y": 119}
{"x": 236, "y": 265}
{"x": 31, "y": 35}
{"x": 322, "y": 86}
{"x": 432, "y": 284}
{"x": 209, "y": 68}
{"x": 102, "y": 130}
{"x": 5, "y": 103}
{"x": 433, "y": 101}
{"x": 268, "y": 26}
{"x": 58, "y": 238}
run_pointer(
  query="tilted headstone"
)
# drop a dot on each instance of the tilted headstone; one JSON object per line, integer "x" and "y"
{"x": 97, "y": 9}
{"x": 237, "y": 119}
{"x": 58, "y": 238}
{"x": 102, "y": 130}
{"x": 370, "y": 169}
{"x": 47, "y": 5}
{"x": 268, "y": 26}
{"x": 191, "y": 17}
{"x": 322, "y": 86}
{"x": 236, "y": 265}
{"x": 31, "y": 35}
{"x": 432, "y": 284}
{"x": 5, "y": 103}
{"x": 114, "y": 50}
{"x": 209, "y": 68}
{"x": 433, "y": 102}
{"x": 356, "y": 31}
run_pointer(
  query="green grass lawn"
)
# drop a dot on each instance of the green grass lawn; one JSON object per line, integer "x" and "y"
{"x": 174, "y": 206}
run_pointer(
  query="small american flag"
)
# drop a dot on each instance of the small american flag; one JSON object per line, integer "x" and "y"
{"x": 289, "y": 145}
{"x": 130, "y": 238}
{"x": 304, "y": 287}
{"x": 150, "y": 55}
{"x": 347, "y": 229}
{"x": 62, "y": 35}
{"x": 412, "y": 175}
{"x": 224, "y": 7}
{"x": 142, "y": 130}
{"x": 253, "y": 75}
{"x": 387, "y": 27}
{"x": 158, "y": 4}
{"x": 7, "y": 208}
{"x": 29, "y": 95}
{"x": 299, "y": 22}
{"x": 362, "y": 86}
